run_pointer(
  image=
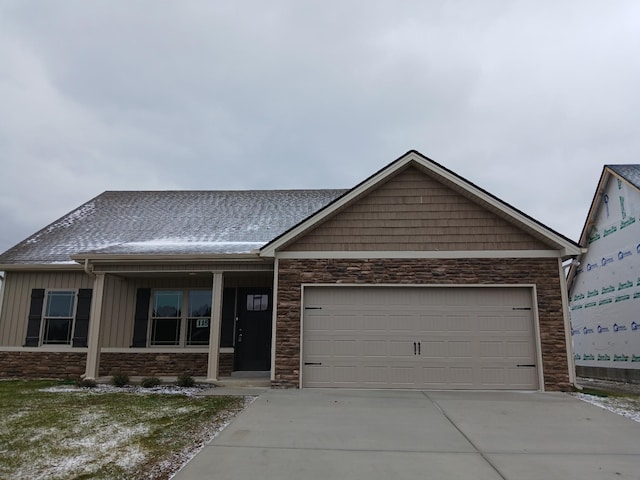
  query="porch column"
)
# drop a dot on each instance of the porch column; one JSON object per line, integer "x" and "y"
{"x": 214, "y": 332}
{"x": 93, "y": 342}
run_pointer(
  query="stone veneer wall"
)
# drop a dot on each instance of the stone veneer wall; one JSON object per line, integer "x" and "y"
{"x": 543, "y": 272}
{"x": 72, "y": 364}
{"x": 225, "y": 364}
{"x": 42, "y": 364}
{"x": 154, "y": 364}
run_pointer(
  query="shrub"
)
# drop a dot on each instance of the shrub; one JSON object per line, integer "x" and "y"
{"x": 84, "y": 382}
{"x": 186, "y": 380}
{"x": 149, "y": 382}
{"x": 120, "y": 379}
{"x": 87, "y": 383}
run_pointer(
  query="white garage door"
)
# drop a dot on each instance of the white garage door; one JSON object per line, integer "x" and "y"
{"x": 419, "y": 337}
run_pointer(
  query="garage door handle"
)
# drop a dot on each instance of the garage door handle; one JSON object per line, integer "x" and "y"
{"x": 526, "y": 365}
{"x": 313, "y": 363}
{"x": 419, "y": 349}
{"x": 415, "y": 348}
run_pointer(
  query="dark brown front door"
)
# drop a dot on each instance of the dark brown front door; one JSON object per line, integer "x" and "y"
{"x": 253, "y": 329}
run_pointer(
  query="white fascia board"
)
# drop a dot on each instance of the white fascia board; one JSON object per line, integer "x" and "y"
{"x": 142, "y": 258}
{"x": 421, "y": 254}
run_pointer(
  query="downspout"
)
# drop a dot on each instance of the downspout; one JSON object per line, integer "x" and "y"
{"x": 88, "y": 268}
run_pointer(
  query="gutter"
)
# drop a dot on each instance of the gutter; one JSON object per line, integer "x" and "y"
{"x": 142, "y": 258}
{"x": 39, "y": 266}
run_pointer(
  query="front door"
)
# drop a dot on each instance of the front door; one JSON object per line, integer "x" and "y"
{"x": 253, "y": 329}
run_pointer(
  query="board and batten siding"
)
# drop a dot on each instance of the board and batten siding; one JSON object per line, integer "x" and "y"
{"x": 17, "y": 299}
{"x": 412, "y": 211}
{"x": 119, "y": 305}
{"x": 120, "y": 299}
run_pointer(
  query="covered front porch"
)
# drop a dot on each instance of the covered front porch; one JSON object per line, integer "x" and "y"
{"x": 209, "y": 321}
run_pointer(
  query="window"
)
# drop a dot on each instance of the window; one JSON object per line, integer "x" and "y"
{"x": 199, "y": 320}
{"x": 165, "y": 320}
{"x": 180, "y": 317}
{"x": 257, "y": 303}
{"x": 58, "y": 317}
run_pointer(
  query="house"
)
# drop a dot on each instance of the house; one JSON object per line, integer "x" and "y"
{"x": 605, "y": 282}
{"x": 414, "y": 278}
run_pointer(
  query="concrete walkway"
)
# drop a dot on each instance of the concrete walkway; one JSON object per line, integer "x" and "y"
{"x": 392, "y": 435}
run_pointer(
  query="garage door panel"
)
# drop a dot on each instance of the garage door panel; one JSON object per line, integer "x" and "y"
{"x": 521, "y": 350}
{"x": 460, "y": 376}
{"x": 433, "y": 375}
{"x": 431, "y": 323}
{"x": 492, "y": 350}
{"x": 493, "y": 377}
{"x": 434, "y": 349}
{"x": 459, "y": 323}
{"x": 402, "y": 348}
{"x": 460, "y": 349}
{"x": 522, "y": 376}
{"x": 412, "y": 337}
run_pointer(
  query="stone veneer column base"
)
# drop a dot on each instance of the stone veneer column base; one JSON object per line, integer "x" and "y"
{"x": 154, "y": 364}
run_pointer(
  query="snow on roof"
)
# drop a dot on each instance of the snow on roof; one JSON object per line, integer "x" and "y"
{"x": 170, "y": 222}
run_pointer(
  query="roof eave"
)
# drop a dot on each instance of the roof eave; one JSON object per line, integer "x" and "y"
{"x": 169, "y": 258}
{"x": 15, "y": 267}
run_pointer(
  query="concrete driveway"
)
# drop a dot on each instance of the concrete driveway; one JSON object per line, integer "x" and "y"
{"x": 392, "y": 435}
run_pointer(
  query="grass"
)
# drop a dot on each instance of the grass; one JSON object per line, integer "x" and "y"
{"x": 597, "y": 392}
{"x": 86, "y": 434}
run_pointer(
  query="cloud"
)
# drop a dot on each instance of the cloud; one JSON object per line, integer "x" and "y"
{"x": 527, "y": 100}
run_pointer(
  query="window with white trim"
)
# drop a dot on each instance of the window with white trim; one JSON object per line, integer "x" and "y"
{"x": 180, "y": 317}
{"x": 58, "y": 317}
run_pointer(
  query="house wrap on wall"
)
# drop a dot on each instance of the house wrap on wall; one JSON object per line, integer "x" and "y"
{"x": 605, "y": 286}
{"x": 414, "y": 278}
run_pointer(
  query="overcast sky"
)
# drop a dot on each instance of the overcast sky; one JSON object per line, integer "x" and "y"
{"x": 527, "y": 99}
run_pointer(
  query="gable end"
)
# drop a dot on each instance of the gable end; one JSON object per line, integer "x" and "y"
{"x": 411, "y": 211}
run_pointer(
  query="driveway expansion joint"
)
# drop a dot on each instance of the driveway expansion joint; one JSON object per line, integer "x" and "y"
{"x": 480, "y": 452}
{"x": 326, "y": 449}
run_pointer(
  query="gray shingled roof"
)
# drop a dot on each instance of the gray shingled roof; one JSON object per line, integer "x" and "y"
{"x": 170, "y": 222}
{"x": 631, "y": 173}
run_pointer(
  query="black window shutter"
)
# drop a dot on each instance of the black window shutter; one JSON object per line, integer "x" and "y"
{"x": 140, "y": 321}
{"x": 228, "y": 317}
{"x": 35, "y": 317}
{"x": 82, "y": 317}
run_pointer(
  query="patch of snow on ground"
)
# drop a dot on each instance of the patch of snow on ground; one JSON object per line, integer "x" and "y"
{"x": 626, "y": 406}
{"x": 111, "y": 443}
{"x": 106, "y": 388}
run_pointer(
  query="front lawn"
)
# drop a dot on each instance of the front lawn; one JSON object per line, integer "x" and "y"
{"x": 55, "y": 433}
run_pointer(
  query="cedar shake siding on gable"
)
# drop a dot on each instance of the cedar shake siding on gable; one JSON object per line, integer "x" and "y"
{"x": 414, "y": 212}
{"x": 543, "y": 273}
